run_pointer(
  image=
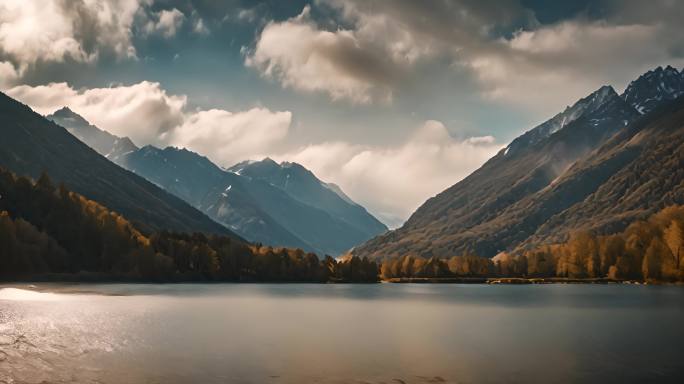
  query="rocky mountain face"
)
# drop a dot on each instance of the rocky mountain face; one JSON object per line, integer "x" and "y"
{"x": 540, "y": 187}
{"x": 263, "y": 201}
{"x": 653, "y": 88}
{"x": 32, "y": 144}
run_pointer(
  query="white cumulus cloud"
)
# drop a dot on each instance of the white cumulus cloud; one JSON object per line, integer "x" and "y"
{"x": 143, "y": 111}
{"x": 303, "y": 57}
{"x": 392, "y": 181}
{"x": 147, "y": 114}
{"x": 546, "y": 68}
{"x": 54, "y": 30}
{"x": 379, "y": 48}
{"x": 230, "y": 137}
{"x": 167, "y": 22}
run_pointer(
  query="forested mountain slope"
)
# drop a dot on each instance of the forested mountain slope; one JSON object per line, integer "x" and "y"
{"x": 32, "y": 144}
{"x": 49, "y": 232}
{"x": 635, "y": 174}
{"x": 534, "y": 190}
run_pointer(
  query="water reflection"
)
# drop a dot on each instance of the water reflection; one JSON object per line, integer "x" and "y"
{"x": 341, "y": 333}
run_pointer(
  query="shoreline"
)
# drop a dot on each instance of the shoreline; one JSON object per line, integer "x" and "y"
{"x": 39, "y": 284}
{"x": 520, "y": 281}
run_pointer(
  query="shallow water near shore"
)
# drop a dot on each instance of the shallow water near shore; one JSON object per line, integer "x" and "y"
{"x": 299, "y": 333}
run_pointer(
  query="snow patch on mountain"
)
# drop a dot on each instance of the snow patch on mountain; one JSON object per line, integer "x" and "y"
{"x": 581, "y": 108}
{"x": 654, "y": 87}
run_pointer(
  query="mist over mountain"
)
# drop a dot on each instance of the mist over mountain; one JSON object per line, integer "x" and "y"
{"x": 550, "y": 180}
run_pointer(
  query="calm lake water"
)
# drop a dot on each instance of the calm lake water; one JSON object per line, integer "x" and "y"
{"x": 385, "y": 333}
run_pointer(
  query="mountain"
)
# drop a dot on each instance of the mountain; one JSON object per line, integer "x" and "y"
{"x": 256, "y": 204}
{"x": 583, "y": 107}
{"x": 32, "y": 144}
{"x": 276, "y": 204}
{"x": 653, "y": 88}
{"x": 110, "y": 146}
{"x": 226, "y": 197}
{"x": 303, "y": 185}
{"x": 636, "y": 173}
{"x": 535, "y": 189}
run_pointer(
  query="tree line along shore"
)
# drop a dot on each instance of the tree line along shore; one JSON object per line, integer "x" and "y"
{"x": 50, "y": 233}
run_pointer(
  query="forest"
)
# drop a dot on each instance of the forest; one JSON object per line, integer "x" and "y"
{"x": 47, "y": 231}
{"x": 647, "y": 250}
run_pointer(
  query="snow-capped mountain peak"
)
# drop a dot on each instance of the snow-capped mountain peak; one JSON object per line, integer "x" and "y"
{"x": 584, "y": 106}
{"x": 654, "y": 87}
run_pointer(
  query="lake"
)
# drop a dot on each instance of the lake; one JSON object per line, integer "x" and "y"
{"x": 381, "y": 333}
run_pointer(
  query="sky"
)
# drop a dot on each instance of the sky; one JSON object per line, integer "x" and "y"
{"x": 392, "y": 100}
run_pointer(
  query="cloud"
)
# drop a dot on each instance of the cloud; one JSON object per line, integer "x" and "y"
{"x": 228, "y": 137}
{"x": 167, "y": 23}
{"x": 374, "y": 48}
{"x": 8, "y": 74}
{"x": 35, "y": 34}
{"x": 247, "y": 15}
{"x": 147, "y": 114}
{"x": 143, "y": 111}
{"x": 199, "y": 28}
{"x": 303, "y": 57}
{"x": 521, "y": 62}
{"x": 546, "y": 68}
{"x": 392, "y": 181}
{"x": 55, "y": 30}
{"x": 369, "y": 60}
{"x": 410, "y": 30}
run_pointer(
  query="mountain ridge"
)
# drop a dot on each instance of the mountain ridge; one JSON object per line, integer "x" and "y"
{"x": 653, "y": 87}
{"x": 304, "y": 186}
{"x": 245, "y": 202}
{"x": 110, "y": 146}
{"x": 32, "y": 145}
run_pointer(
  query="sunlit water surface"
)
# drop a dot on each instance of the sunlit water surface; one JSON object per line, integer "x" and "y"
{"x": 382, "y": 333}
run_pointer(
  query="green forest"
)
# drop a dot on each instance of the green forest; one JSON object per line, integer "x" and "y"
{"x": 47, "y": 231}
